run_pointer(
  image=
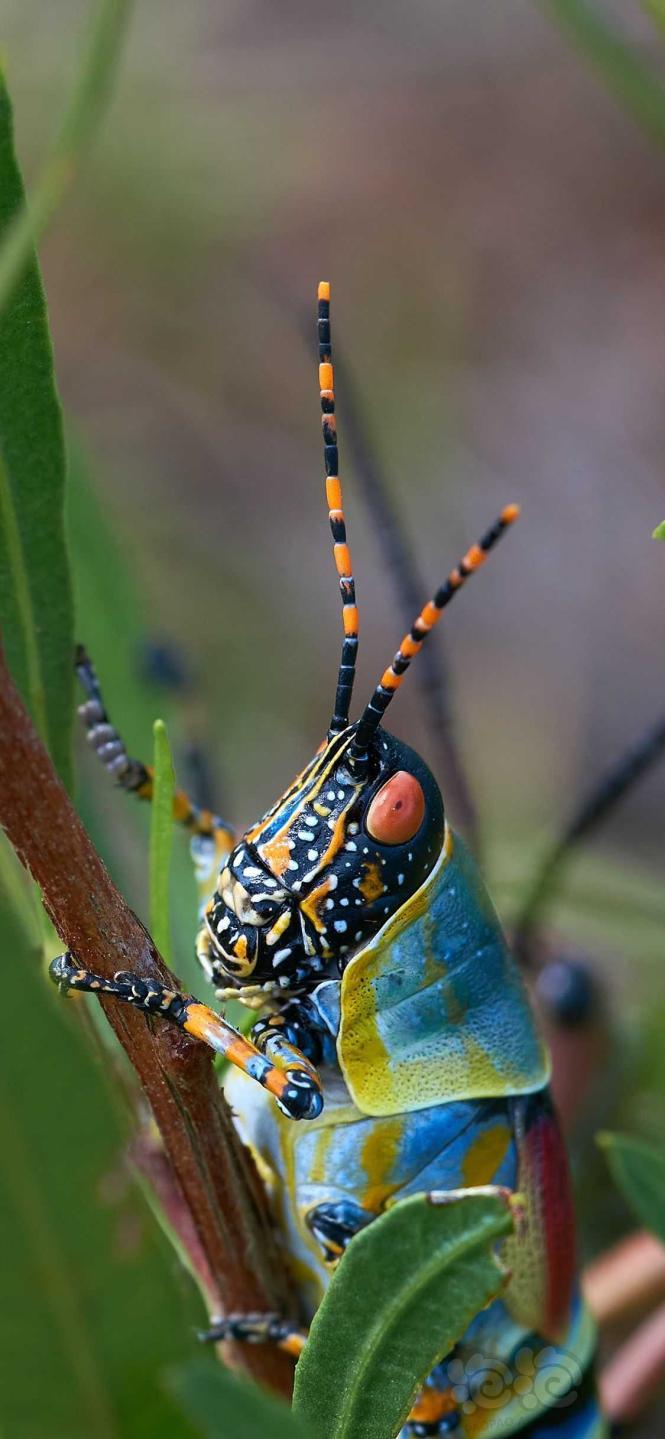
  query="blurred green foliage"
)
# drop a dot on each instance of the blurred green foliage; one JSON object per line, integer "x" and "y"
{"x": 183, "y": 198}
{"x": 78, "y": 1358}
{"x": 224, "y": 1405}
{"x": 94, "y": 1308}
{"x": 630, "y": 74}
{"x": 638, "y": 1171}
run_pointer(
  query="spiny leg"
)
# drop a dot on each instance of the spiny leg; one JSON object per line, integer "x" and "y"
{"x": 289, "y": 1077}
{"x": 132, "y": 775}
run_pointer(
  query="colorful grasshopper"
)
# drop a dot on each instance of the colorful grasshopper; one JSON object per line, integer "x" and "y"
{"x": 391, "y": 1018}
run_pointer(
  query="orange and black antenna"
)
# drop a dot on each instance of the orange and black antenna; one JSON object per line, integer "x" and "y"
{"x": 413, "y": 641}
{"x": 341, "y": 552}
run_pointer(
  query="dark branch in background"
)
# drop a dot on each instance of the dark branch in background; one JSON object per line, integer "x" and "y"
{"x": 611, "y": 788}
{"x": 410, "y": 589}
{"x": 219, "y": 1184}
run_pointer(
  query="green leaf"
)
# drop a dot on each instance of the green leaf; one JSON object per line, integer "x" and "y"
{"x": 626, "y": 72}
{"x": 224, "y": 1406}
{"x": 161, "y": 839}
{"x": 406, "y": 1290}
{"x": 638, "y": 1171}
{"x": 659, "y": 532}
{"x": 35, "y": 591}
{"x": 86, "y": 106}
{"x": 91, "y": 1303}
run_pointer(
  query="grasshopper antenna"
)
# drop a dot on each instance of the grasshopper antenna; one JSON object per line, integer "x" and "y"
{"x": 402, "y": 567}
{"x": 413, "y": 641}
{"x": 341, "y": 552}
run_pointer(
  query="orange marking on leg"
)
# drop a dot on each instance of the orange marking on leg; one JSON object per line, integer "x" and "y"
{"x": 293, "y": 1344}
{"x": 390, "y": 681}
{"x": 324, "y": 290}
{"x": 326, "y": 377}
{"x": 410, "y": 647}
{"x": 202, "y": 1023}
{"x": 429, "y": 614}
{"x": 510, "y": 513}
{"x": 182, "y": 808}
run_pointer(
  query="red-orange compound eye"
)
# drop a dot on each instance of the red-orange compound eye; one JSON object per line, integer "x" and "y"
{"x": 397, "y": 810}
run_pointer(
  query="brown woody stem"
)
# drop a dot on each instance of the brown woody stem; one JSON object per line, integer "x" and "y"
{"x": 220, "y": 1186}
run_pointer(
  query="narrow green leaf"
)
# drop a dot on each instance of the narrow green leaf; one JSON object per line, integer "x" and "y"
{"x": 638, "y": 1171}
{"x": 225, "y": 1406}
{"x": 627, "y": 73}
{"x": 406, "y": 1290}
{"x": 82, "y": 115}
{"x": 659, "y": 532}
{"x": 35, "y": 590}
{"x": 91, "y": 1303}
{"x": 161, "y": 839}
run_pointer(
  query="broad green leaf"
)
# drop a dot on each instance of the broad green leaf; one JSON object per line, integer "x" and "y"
{"x": 638, "y": 1171}
{"x": 659, "y": 532}
{"x": 224, "y": 1406}
{"x": 92, "y": 1311}
{"x": 161, "y": 839}
{"x": 35, "y": 590}
{"x": 404, "y": 1293}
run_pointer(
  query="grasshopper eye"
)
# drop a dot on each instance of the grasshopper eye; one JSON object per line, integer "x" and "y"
{"x": 397, "y": 811}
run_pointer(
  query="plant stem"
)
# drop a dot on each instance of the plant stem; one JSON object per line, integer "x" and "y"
{"x": 215, "y": 1173}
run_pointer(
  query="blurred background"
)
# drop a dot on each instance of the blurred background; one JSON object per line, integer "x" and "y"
{"x": 493, "y": 225}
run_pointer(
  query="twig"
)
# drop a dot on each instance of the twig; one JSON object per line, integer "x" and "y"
{"x": 216, "y": 1175}
{"x": 631, "y": 1380}
{"x": 626, "y": 1278}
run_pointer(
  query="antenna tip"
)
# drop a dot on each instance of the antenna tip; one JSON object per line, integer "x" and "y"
{"x": 510, "y": 514}
{"x": 324, "y": 289}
